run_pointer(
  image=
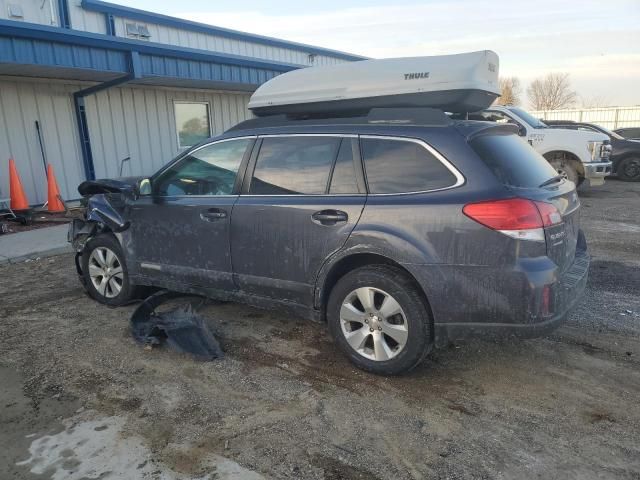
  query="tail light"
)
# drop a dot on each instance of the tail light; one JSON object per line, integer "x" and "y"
{"x": 516, "y": 217}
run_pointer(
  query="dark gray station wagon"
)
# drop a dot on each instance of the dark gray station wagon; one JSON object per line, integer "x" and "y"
{"x": 401, "y": 229}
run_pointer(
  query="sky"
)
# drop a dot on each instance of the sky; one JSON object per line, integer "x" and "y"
{"x": 596, "y": 42}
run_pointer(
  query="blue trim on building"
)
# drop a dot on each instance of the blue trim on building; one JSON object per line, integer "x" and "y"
{"x": 63, "y": 14}
{"x": 81, "y": 115}
{"x": 27, "y": 51}
{"x": 54, "y": 50}
{"x": 136, "y": 14}
{"x": 32, "y": 31}
{"x": 110, "y": 24}
{"x": 85, "y": 139}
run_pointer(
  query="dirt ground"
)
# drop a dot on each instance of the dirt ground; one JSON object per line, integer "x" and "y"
{"x": 80, "y": 399}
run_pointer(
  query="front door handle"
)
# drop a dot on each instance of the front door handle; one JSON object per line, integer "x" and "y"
{"x": 329, "y": 217}
{"x": 213, "y": 214}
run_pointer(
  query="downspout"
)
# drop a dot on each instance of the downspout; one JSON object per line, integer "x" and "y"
{"x": 52, "y": 12}
{"x": 81, "y": 116}
{"x": 110, "y": 24}
{"x": 63, "y": 13}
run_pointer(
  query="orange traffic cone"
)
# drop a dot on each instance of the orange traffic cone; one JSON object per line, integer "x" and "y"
{"x": 16, "y": 192}
{"x": 54, "y": 200}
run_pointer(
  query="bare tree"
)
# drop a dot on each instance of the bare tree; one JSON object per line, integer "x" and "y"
{"x": 510, "y": 91}
{"x": 552, "y": 92}
{"x": 596, "y": 101}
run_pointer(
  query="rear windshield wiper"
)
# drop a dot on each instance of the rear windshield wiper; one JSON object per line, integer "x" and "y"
{"x": 555, "y": 179}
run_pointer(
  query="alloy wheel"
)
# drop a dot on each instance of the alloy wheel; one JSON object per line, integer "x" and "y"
{"x": 374, "y": 324}
{"x": 632, "y": 168}
{"x": 105, "y": 271}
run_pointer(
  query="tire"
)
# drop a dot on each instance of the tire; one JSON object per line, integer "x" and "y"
{"x": 629, "y": 169}
{"x": 565, "y": 167}
{"x": 104, "y": 252}
{"x": 374, "y": 349}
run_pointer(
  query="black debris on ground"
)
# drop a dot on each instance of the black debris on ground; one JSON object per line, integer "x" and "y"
{"x": 181, "y": 328}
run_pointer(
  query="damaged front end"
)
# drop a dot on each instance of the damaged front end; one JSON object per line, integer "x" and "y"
{"x": 107, "y": 204}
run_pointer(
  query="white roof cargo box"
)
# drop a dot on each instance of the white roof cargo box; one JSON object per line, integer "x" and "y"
{"x": 465, "y": 82}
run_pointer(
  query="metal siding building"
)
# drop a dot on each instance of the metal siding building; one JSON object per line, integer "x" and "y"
{"x": 104, "y": 82}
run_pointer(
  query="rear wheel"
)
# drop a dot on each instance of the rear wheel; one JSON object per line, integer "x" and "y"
{"x": 629, "y": 169}
{"x": 378, "y": 318}
{"x": 105, "y": 272}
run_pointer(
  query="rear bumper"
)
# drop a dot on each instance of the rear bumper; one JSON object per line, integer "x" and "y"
{"x": 565, "y": 293}
{"x": 596, "y": 172}
{"x": 457, "y": 331}
{"x": 528, "y": 300}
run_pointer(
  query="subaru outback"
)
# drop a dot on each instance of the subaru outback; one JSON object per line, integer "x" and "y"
{"x": 401, "y": 229}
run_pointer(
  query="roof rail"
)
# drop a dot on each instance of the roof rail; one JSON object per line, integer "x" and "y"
{"x": 410, "y": 116}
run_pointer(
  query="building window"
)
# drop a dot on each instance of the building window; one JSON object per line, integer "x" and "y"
{"x": 137, "y": 30}
{"x": 15, "y": 11}
{"x": 192, "y": 123}
{"x": 132, "y": 29}
{"x": 143, "y": 31}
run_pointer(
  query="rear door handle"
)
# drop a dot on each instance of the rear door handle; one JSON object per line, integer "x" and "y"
{"x": 329, "y": 217}
{"x": 213, "y": 214}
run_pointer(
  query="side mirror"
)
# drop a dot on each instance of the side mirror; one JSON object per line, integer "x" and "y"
{"x": 144, "y": 187}
{"x": 522, "y": 131}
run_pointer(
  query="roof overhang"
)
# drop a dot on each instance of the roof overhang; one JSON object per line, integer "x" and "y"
{"x": 150, "y": 17}
{"x": 50, "y": 52}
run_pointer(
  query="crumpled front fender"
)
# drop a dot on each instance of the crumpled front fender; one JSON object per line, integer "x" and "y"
{"x": 100, "y": 208}
{"x": 105, "y": 212}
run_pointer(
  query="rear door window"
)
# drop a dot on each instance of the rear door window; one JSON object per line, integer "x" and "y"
{"x": 402, "y": 166}
{"x": 512, "y": 160}
{"x": 294, "y": 165}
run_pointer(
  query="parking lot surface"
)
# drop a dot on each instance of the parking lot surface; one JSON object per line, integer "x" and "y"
{"x": 81, "y": 400}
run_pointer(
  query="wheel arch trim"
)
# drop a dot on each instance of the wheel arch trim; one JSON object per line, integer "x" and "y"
{"x": 347, "y": 260}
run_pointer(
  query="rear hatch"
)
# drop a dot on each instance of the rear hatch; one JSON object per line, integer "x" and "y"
{"x": 528, "y": 175}
{"x": 561, "y": 238}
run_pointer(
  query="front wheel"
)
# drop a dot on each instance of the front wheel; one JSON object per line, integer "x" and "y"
{"x": 566, "y": 168}
{"x": 629, "y": 169}
{"x": 105, "y": 272}
{"x": 379, "y": 319}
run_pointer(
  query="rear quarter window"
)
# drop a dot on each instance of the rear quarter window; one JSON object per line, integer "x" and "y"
{"x": 402, "y": 166}
{"x": 512, "y": 160}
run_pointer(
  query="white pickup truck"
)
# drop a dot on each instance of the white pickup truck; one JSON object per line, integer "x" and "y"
{"x": 576, "y": 154}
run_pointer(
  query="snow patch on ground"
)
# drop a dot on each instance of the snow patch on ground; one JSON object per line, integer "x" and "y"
{"x": 96, "y": 449}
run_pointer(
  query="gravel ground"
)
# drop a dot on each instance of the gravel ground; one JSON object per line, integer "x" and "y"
{"x": 283, "y": 403}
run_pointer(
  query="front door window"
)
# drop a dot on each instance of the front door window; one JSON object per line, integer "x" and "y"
{"x": 210, "y": 170}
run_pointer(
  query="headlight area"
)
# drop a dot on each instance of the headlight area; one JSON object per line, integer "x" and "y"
{"x": 599, "y": 150}
{"x": 605, "y": 150}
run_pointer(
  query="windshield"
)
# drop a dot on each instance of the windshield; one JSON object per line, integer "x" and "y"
{"x": 527, "y": 117}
